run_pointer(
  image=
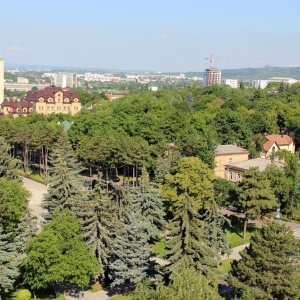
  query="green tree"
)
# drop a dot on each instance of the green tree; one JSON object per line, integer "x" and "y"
{"x": 149, "y": 202}
{"x": 187, "y": 284}
{"x": 65, "y": 189}
{"x": 9, "y": 264}
{"x": 214, "y": 229}
{"x": 186, "y": 243}
{"x": 130, "y": 259}
{"x": 190, "y": 177}
{"x": 256, "y": 196}
{"x": 268, "y": 268}
{"x": 14, "y": 200}
{"x": 98, "y": 214}
{"x": 8, "y": 164}
{"x": 58, "y": 254}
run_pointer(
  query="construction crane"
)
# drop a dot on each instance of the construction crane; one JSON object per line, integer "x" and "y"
{"x": 210, "y": 72}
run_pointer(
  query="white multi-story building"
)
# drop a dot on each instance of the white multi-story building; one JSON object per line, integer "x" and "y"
{"x": 212, "y": 76}
{"x": 286, "y": 80}
{"x": 233, "y": 83}
{"x": 1, "y": 80}
{"x": 63, "y": 80}
{"x": 22, "y": 80}
{"x": 260, "y": 84}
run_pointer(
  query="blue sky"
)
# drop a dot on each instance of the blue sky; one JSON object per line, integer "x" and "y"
{"x": 153, "y": 35}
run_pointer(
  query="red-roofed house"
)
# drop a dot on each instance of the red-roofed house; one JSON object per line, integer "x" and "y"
{"x": 50, "y": 100}
{"x": 13, "y": 109}
{"x": 277, "y": 142}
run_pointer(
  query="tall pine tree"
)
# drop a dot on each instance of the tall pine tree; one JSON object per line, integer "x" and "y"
{"x": 269, "y": 267}
{"x": 186, "y": 242}
{"x": 149, "y": 202}
{"x": 8, "y": 164}
{"x": 98, "y": 215}
{"x": 256, "y": 196}
{"x": 65, "y": 188}
{"x": 9, "y": 263}
{"x": 130, "y": 259}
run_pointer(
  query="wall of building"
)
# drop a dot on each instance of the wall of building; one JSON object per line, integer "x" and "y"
{"x": 224, "y": 159}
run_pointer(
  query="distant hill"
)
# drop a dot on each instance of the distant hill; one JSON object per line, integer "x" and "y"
{"x": 256, "y": 73}
{"x": 242, "y": 74}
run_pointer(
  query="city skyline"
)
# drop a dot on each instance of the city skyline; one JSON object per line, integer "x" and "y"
{"x": 169, "y": 36}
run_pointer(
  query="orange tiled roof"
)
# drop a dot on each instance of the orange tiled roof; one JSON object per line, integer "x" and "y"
{"x": 268, "y": 145}
{"x": 280, "y": 139}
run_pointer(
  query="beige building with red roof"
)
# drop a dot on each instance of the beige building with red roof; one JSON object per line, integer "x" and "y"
{"x": 50, "y": 100}
{"x": 277, "y": 142}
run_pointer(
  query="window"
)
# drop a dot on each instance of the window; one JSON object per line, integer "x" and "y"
{"x": 48, "y": 107}
{"x": 231, "y": 160}
{"x": 64, "y": 108}
{"x": 237, "y": 177}
{"x": 229, "y": 174}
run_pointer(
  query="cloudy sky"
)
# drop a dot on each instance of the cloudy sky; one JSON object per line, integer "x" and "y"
{"x": 158, "y": 35}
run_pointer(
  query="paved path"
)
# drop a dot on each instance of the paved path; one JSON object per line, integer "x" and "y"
{"x": 37, "y": 191}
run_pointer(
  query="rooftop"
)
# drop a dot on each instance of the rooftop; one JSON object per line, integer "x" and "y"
{"x": 230, "y": 149}
{"x": 280, "y": 139}
{"x": 261, "y": 163}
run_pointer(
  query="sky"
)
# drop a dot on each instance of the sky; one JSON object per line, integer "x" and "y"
{"x": 151, "y": 35}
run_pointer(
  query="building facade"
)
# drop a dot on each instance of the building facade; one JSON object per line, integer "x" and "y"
{"x": 276, "y": 143}
{"x": 50, "y": 100}
{"x": 233, "y": 83}
{"x": 228, "y": 154}
{"x": 212, "y": 76}
{"x": 63, "y": 80}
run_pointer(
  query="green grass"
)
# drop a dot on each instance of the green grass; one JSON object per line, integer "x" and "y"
{"x": 159, "y": 247}
{"x": 121, "y": 297}
{"x": 96, "y": 287}
{"x": 225, "y": 265}
{"x": 41, "y": 295}
{"x": 235, "y": 234}
{"x": 33, "y": 175}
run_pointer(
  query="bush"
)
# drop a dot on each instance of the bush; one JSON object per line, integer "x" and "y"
{"x": 24, "y": 295}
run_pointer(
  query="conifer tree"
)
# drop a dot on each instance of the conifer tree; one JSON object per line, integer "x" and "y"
{"x": 214, "y": 230}
{"x": 130, "y": 259}
{"x": 269, "y": 267}
{"x": 98, "y": 214}
{"x": 65, "y": 190}
{"x": 27, "y": 229}
{"x": 186, "y": 243}
{"x": 8, "y": 164}
{"x": 9, "y": 263}
{"x": 256, "y": 196}
{"x": 188, "y": 284}
{"x": 149, "y": 202}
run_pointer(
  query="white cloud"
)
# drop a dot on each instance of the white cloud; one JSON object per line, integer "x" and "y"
{"x": 15, "y": 50}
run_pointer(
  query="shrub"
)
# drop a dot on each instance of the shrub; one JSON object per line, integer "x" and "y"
{"x": 24, "y": 295}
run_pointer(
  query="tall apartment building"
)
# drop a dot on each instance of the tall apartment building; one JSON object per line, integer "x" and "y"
{"x": 212, "y": 76}
{"x": 63, "y": 80}
{"x": 1, "y": 80}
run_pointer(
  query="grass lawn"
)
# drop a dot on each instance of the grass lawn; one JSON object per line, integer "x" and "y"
{"x": 96, "y": 287}
{"x": 41, "y": 295}
{"x": 159, "y": 247}
{"x": 235, "y": 234}
{"x": 225, "y": 265}
{"x": 32, "y": 175}
{"x": 121, "y": 297}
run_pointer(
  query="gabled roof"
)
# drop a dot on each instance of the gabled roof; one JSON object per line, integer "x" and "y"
{"x": 280, "y": 139}
{"x": 245, "y": 165}
{"x": 229, "y": 149}
{"x": 268, "y": 145}
{"x": 50, "y": 92}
